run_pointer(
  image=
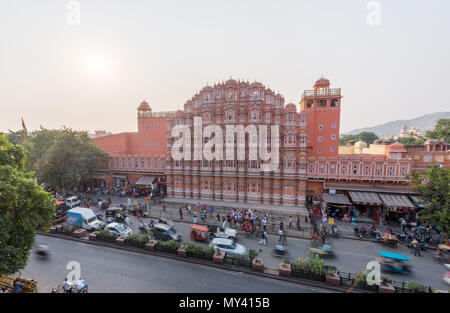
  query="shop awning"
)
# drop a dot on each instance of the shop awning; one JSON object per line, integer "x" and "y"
{"x": 335, "y": 198}
{"x": 395, "y": 200}
{"x": 145, "y": 180}
{"x": 418, "y": 201}
{"x": 119, "y": 176}
{"x": 369, "y": 198}
{"x": 99, "y": 176}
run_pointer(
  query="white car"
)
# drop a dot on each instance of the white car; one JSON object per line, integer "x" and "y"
{"x": 228, "y": 246}
{"x": 119, "y": 229}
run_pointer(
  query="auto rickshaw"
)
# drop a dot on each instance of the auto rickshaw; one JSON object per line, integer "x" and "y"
{"x": 442, "y": 254}
{"x": 115, "y": 213}
{"x": 393, "y": 262}
{"x": 323, "y": 251}
{"x": 200, "y": 233}
{"x": 18, "y": 285}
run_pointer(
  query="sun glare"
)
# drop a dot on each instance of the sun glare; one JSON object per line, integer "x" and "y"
{"x": 98, "y": 66}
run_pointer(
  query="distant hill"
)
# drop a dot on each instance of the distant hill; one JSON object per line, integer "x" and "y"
{"x": 422, "y": 123}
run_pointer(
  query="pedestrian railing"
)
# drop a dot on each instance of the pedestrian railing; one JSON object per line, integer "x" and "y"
{"x": 200, "y": 256}
{"x": 297, "y": 272}
{"x": 243, "y": 261}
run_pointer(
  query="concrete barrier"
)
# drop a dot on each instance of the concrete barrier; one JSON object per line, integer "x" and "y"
{"x": 80, "y": 233}
{"x": 258, "y": 265}
{"x": 218, "y": 257}
{"x": 284, "y": 270}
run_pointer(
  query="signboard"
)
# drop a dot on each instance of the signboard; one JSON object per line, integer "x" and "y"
{"x": 331, "y": 221}
{"x": 74, "y": 218}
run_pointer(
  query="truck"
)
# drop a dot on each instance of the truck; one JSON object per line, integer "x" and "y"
{"x": 84, "y": 218}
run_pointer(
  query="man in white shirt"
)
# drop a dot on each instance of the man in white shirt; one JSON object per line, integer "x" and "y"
{"x": 67, "y": 287}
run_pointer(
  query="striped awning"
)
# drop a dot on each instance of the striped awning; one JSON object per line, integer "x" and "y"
{"x": 335, "y": 198}
{"x": 396, "y": 201}
{"x": 99, "y": 176}
{"x": 418, "y": 201}
{"x": 119, "y": 176}
{"x": 145, "y": 180}
{"x": 369, "y": 198}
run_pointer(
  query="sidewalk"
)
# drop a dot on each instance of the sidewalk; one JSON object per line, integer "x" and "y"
{"x": 346, "y": 229}
{"x": 171, "y": 213}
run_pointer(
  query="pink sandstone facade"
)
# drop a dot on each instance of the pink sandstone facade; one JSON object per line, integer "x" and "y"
{"x": 309, "y": 140}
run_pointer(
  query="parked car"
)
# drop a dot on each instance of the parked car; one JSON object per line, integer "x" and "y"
{"x": 165, "y": 232}
{"x": 228, "y": 246}
{"x": 119, "y": 229}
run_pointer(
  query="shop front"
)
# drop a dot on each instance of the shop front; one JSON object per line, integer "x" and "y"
{"x": 366, "y": 204}
{"x": 335, "y": 205}
{"x": 397, "y": 205}
{"x": 144, "y": 185}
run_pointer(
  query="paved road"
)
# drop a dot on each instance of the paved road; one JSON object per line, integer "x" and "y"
{"x": 111, "y": 270}
{"x": 351, "y": 255}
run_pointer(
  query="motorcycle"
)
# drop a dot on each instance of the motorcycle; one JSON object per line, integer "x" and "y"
{"x": 43, "y": 251}
{"x": 142, "y": 227}
{"x": 280, "y": 251}
{"x": 361, "y": 233}
{"x": 100, "y": 216}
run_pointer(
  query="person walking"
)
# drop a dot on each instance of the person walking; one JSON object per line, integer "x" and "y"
{"x": 280, "y": 232}
{"x": 181, "y": 213}
{"x": 416, "y": 247}
{"x": 211, "y": 210}
{"x": 264, "y": 223}
{"x": 189, "y": 209}
{"x": 164, "y": 207}
{"x": 298, "y": 222}
{"x": 284, "y": 240}
{"x": 281, "y": 225}
{"x": 290, "y": 222}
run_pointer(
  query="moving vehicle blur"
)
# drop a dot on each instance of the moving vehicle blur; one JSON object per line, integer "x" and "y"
{"x": 228, "y": 246}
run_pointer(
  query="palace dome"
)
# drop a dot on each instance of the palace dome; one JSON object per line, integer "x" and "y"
{"x": 144, "y": 106}
{"x": 322, "y": 81}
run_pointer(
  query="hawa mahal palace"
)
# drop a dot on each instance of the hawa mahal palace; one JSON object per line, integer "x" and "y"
{"x": 311, "y": 163}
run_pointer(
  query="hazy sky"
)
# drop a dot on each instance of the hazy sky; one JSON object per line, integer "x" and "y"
{"x": 94, "y": 75}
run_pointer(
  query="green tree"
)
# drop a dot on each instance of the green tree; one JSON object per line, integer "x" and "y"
{"x": 411, "y": 141}
{"x": 436, "y": 197}
{"x": 344, "y": 139}
{"x": 441, "y": 130}
{"x": 367, "y": 137}
{"x": 15, "y": 137}
{"x": 65, "y": 158}
{"x": 24, "y": 206}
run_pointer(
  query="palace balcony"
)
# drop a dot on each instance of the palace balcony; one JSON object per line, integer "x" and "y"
{"x": 334, "y": 92}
